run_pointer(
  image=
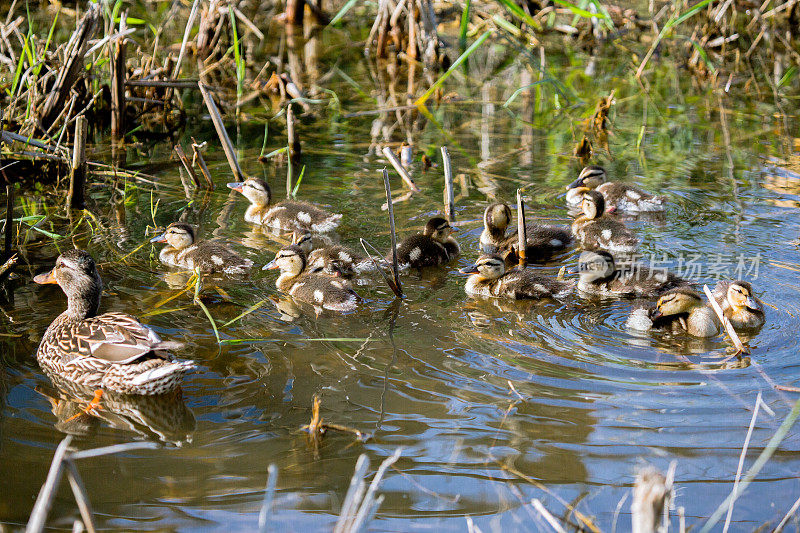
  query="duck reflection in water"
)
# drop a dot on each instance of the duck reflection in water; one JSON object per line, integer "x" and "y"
{"x": 81, "y": 411}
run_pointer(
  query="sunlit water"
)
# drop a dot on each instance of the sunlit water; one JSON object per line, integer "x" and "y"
{"x": 476, "y": 392}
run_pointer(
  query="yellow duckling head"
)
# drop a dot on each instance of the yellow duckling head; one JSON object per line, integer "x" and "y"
{"x": 490, "y": 266}
{"x": 179, "y": 235}
{"x": 740, "y": 296}
{"x": 254, "y": 189}
{"x": 593, "y": 205}
{"x": 676, "y": 302}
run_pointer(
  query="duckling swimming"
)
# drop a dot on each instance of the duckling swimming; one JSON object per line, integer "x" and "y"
{"x": 598, "y": 230}
{"x": 333, "y": 260}
{"x": 434, "y": 246}
{"x": 210, "y": 257}
{"x": 320, "y": 290}
{"x": 599, "y": 275}
{"x": 288, "y": 215}
{"x": 542, "y": 240}
{"x": 622, "y": 197}
{"x": 738, "y": 303}
{"x": 489, "y": 278}
{"x": 678, "y": 310}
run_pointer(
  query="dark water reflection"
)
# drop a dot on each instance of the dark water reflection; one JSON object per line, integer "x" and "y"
{"x": 559, "y": 391}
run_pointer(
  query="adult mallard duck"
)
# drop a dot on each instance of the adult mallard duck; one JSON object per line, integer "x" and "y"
{"x": 111, "y": 351}
{"x": 288, "y": 215}
{"x": 335, "y": 259}
{"x": 543, "y": 240}
{"x": 598, "y": 230}
{"x": 599, "y": 274}
{"x": 490, "y": 278}
{"x": 739, "y": 304}
{"x": 434, "y": 246}
{"x": 209, "y": 256}
{"x": 618, "y": 196}
{"x": 678, "y": 310}
{"x": 321, "y": 290}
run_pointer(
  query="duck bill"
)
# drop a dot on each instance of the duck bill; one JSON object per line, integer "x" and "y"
{"x": 45, "y": 279}
{"x": 469, "y": 270}
{"x": 272, "y": 265}
{"x": 655, "y": 314}
{"x": 575, "y": 184}
{"x": 236, "y": 186}
{"x": 160, "y": 238}
{"x": 453, "y": 229}
{"x": 751, "y": 303}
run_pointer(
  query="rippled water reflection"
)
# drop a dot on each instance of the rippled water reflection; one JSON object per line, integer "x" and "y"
{"x": 473, "y": 390}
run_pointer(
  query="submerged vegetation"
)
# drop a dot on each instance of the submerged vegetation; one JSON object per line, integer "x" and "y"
{"x": 103, "y": 106}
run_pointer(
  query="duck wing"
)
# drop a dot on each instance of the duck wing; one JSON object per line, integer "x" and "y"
{"x": 113, "y": 337}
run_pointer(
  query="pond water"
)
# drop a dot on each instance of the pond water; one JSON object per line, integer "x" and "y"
{"x": 478, "y": 393}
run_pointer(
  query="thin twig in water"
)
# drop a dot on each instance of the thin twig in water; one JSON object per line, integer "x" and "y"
{"x": 725, "y": 322}
{"x": 741, "y": 461}
{"x": 539, "y": 506}
{"x": 397, "y": 288}
{"x": 269, "y": 495}
{"x": 407, "y": 179}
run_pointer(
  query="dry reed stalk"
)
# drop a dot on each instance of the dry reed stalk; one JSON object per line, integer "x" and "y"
{"x": 198, "y": 156}
{"x": 449, "y": 196}
{"x": 725, "y": 322}
{"x": 118, "y": 74}
{"x": 187, "y": 165}
{"x": 407, "y": 179}
{"x": 77, "y": 176}
{"x": 227, "y": 145}
{"x": 9, "y": 228}
{"x": 398, "y": 289}
{"x": 522, "y": 230}
{"x": 651, "y": 494}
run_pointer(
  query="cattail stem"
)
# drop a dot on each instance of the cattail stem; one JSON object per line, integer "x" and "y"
{"x": 118, "y": 85}
{"x": 227, "y": 145}
{"x": 398, "y": 290}
{"x": 449, "y": 196}
{"x": 522, "y": 232}
{"x": 77, "y": 177}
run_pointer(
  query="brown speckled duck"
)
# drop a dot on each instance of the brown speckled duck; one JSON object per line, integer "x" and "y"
{"x": 598, "y": 274}
{"x": 434, "y": 246}
{"x": 287, "y": 215}
{"x": 598, "y": 230}
{"x": 210, "y": 257}
{"x": 543, "y": 240}
{"x": 683, "y": 310}
{"x": 490, "y": 278}
{"x": 619, "y": 196}
{"x": 335, "y": 260}
{"x": 323, "y": 291}
{"x": 112, "y": 351}
{"x": 742, "y": 308}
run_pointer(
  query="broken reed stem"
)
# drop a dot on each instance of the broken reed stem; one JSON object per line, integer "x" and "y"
{"x": 269, "y": 495}
{"x": 650, "y": 495}
{"x": 201, "y": 162}
{"x": 398, "y": 289}
{"x": 44, "y": 500}
{"x": 77, "y": 176}
{"x": 400, "y": 170}
{"x": 294, "y": 12}
{"x": 522, "y": 231}
{"x": 741, "y": 462}
{"x": 186, "y": 32}
{"x": 539, "y": 506}
{"x": 449, "y": 196}
{"x": 292, "y": 141}
{"x": 227, "y": 145}
{"x": 118, "y": 85}
{"x": 81, "y": 496}
{"x": 7, "y": 253}
{"x": 187, "y": 165}
{"x": 725, "y": 322}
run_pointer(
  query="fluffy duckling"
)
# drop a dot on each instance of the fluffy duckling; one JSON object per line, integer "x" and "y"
{"x": 598, "y": 274}
{"x": 112, "y": 351}
{"x": 210, "y": 257}
{"x": 596, "y": 229}
{"x": 679, "y": 310}
{"x": 489, "y": 278}
{"x": 542, "y": 240}
{"x": 333, "y": 260}
{"x": 320, "y": 290}
{"x": 288, "y": 215}
{"x": 738, "y": 303}
{"x": 619, "y": 196}
{"x": 434, "y": 246}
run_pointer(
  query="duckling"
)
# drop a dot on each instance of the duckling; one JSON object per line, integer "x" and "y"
{"x": 683, "y": 310}
{"x": 333, "y": 260}
{"x": 738, "y": 303}
{"x": 595, "y": 229}
{"x": 542, "y": 239}
{"x": 288, "y": 215}
{"x": 619, "y": 196}
{"x": 490, "y": 278}
{"x": 434, "y": 246}
{"x": 320, "y": 290}
{"x": 598, "y": 274}
{"x": 210, "y": 257}
{"x": 112, "y": 351}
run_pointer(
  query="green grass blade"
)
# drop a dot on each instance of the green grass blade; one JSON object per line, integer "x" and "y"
{"x": 244, "y": 313}
{"x": 790, "y": 74}
{"x": 342, "y": 12}
{"x": 578, "y": 11}
{"x": 462, "y": 33}
{"x": 457, "y": 63}
{"x": 692, "y": 11}
{"x": 297, "y": 185}
{"x": 276, "y": 152}
{"x": 517, "y": 11}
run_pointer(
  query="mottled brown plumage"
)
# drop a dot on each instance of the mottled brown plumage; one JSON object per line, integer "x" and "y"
{"x": 490, "y": 278}
{"x": 543, "y": 240}
{"x": 739, "y": 304}
{"x": 211, "y": 257}
{"x": 433, "y": 247}
{"x": 599, "y": 274}
{"x": 598, "y": 230}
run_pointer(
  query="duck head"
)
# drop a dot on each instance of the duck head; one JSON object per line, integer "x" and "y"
{"x": 439, "y": 229}
{"x": 676, "y": 302}
{"x": 593, "y": 266}
{"x": 179, "y": 235}
{"x": 740, "y": 296}
{"x": 489, "y": 266}
{"x": 290, "y": 260}
{"x": 590, "y": 178}
{"x": 254, "y": 189}
{"x": 593, "y": 205}
{"x": 76, "y": 273}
